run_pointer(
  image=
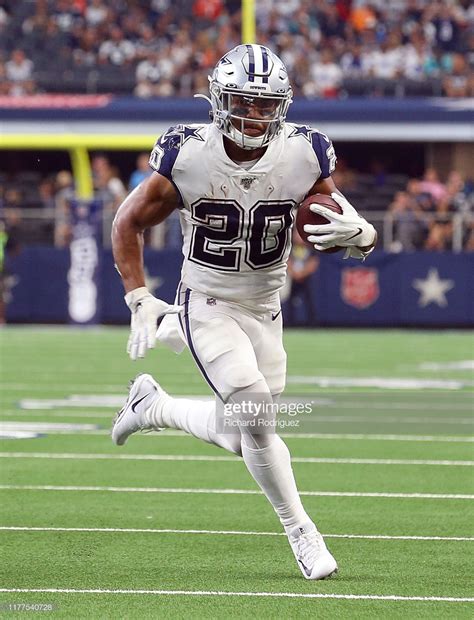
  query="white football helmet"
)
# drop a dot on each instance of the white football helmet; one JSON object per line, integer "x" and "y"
{"x": 250, "y": 95}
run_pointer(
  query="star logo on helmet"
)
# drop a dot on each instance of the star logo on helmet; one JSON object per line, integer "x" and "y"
{"x": 183, "y": 133}
{"x": 302, "y": 130}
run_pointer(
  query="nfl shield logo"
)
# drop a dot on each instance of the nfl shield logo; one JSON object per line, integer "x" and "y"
{"x": 360, "y": 287}
{"x": 247, "y": 181}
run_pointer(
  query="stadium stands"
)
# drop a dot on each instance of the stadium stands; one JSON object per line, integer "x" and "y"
{"x": 164, "y": 48}
{"x": 406, "y": 214}
{"x": 336, "y": 49}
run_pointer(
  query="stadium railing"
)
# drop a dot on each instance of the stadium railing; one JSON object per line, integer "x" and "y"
{"x": 37, "y": 227}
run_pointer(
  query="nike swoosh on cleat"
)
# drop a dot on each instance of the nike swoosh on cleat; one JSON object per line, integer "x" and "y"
{"x": 275, "y": 316}
{"x": 137, "y": 402}
{"x": 306, "y": 570}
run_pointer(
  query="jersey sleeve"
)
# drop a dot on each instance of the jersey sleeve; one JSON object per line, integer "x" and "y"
{"x": 325, "y": 153}
{"x": 165, "y": 152}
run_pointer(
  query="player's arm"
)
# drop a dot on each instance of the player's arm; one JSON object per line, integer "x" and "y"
{"x": 346, "y": 230}
{"x": 148, "y": 205}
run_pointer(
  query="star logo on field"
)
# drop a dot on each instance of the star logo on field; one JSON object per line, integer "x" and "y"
{"x": 433, "y": 289}
{"x": 302, "y": 130}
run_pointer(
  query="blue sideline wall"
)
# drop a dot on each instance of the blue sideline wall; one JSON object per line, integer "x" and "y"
{"x": 418, "y": 289}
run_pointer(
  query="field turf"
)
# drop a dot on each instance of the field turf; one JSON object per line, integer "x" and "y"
{"x": 168, "y": 526}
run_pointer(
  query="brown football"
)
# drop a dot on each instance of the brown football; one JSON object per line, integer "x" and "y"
{"x": 304, "y": 215}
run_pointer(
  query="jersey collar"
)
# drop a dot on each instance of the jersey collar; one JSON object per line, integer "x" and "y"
{"x": 264, "y": 165}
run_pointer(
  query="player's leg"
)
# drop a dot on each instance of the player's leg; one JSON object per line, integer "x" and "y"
{"x": 215, "y": 340}
{"x": 149, "y": 407}
{"x": 221, "y": 339}
{"x": 266, "y": 455}
{"x": 195, "y": 417}
{"x": 311, "y": 553}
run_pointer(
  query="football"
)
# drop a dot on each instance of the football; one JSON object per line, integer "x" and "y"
{"x": 304, "y": 216}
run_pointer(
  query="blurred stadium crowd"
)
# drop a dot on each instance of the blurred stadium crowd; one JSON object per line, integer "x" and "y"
{"x": 418, "y": 213}
{"x": 167, "y": 47}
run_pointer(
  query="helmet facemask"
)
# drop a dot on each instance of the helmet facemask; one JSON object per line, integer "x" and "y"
{"x": 250, "y": 100}
{"x": 250, "y": 120}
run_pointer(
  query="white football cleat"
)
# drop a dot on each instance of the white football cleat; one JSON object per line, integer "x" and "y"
{"x": 311, "y": 553}
{"x": 144, "y": 391}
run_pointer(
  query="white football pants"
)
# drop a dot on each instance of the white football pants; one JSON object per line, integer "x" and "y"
{"x": 241, "y": 356}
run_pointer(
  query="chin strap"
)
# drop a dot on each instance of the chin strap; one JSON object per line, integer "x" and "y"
{"x": 201, "y": 96}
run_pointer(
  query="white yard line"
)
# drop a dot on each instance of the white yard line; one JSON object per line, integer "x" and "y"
{"x": 24, "y": 413}
{"x": 110, "y": 489}
{"x": 326, "y": 436}
{"x": 338, "y": 419}
{"x": 227, "y": 459}
{"x": 62, "y": 387}
{"x": 388, "y": 383}
{"x": 419, "y": 405}
{"x": 437, "y": 366}
{"x": 304, "y": 595}
{"x": 363, "y": 437}
{"x": 45, "y": 426}
{"x": 130, "y": 530}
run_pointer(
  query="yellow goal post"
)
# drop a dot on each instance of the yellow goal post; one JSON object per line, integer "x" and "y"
{"x": 79, "y": 145}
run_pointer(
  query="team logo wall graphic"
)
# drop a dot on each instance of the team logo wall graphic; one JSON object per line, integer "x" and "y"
{"x": 360, "y": 286}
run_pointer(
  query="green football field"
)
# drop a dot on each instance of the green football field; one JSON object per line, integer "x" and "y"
{"x": 168, "y": 526}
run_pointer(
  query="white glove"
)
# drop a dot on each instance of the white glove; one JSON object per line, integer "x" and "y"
{"x": 146, "y": 310}
{"x": 346, "y": 229}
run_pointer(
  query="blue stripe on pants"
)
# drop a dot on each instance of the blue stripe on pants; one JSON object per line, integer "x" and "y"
{"x": 189, "y": 338}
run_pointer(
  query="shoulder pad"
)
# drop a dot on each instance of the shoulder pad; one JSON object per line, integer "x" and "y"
{"x": 321, "y": 145}
{"x": 168, "y": 145}
{"x": 325, "y": 153}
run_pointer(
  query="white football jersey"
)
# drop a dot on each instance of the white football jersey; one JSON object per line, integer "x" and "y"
{"x": 237, "y": 223}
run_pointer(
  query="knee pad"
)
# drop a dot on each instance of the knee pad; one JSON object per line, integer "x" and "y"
{"x": 240, "y": 377}
{"x": 257, "y": 425}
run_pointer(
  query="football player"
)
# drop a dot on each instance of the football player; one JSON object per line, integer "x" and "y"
{"x": 236, "y": 183}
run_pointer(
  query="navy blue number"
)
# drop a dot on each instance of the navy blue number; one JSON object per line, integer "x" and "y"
{"x": 220, "y": 224}
{"x": 269, "y": 230}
